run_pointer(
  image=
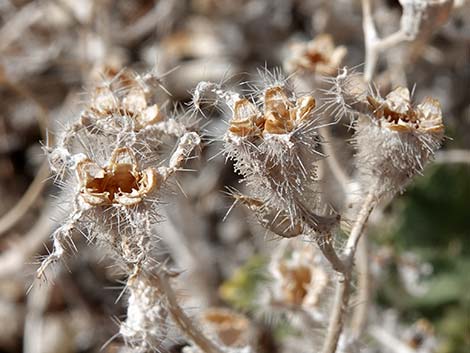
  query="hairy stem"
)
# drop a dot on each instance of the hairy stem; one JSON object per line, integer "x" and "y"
{"x": 330, "y": 254}
{"x": 184, "y": 323}
{"x": 343, "y": 289}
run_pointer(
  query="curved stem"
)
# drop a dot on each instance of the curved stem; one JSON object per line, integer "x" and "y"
{"x": 34, "y": 190}
{"x": 343, "y": 289}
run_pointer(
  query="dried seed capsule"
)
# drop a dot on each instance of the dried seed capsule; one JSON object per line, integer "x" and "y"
{"x": 119, "y": 182}
{"x": 398, "y": 139}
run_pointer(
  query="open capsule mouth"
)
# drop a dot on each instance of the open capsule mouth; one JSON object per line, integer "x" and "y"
{"x": 280, "y": 115}
{"x": 119, "y": 182}
{"x": 398, "y": 114}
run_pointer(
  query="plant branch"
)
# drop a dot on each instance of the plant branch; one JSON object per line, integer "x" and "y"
{"x": 333, "y": 162}
{"x": 359, "y": 318}
{"x": 375, "y": 45}
{"x": 14, "y": 215}
{"x": 330, "y": 254}
{"x": 184, "y": 323}
{"x": 343, "y": 289}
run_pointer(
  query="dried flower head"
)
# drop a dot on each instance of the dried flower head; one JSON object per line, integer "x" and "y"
{"x": 273, "y": 143}
{"x": 124, "y": 101}
{"x": 110, "y": 163}
{"x": 320, "y": 56}
{"x": 397, "y": 138}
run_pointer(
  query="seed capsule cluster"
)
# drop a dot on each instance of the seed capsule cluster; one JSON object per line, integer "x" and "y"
{"x": 279, "y": 114}
{"x": 109, "y": 161}
{"x": 273, "y": 143}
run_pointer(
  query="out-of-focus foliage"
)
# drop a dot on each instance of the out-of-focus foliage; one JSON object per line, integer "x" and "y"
{"x": 432, "y": 220}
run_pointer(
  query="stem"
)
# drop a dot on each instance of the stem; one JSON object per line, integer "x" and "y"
{"x": 359, "y": 320}
{"x": 184, "y": 323}
{"x": 338, "y": 314}
{"x": 333, "y": 162}
{"x": 453, "y": 156}
{"x": 12, "y": 217}
{"x": 331, "y": 255}
{"x": 374, "y": 45}
{"x": 343, "y": 290}
{"x": 361, "y": 221}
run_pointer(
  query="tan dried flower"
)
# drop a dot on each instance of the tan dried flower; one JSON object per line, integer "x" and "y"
{"x": 301, "y": 283}
{"x": 229, "y": 327}
{"x": 273, "y": 142}
{"x": 127, "y": 95}
{"x": 279, "y": 116}
{"x": 317, "y": 56}
{"x": 119, "y": 182}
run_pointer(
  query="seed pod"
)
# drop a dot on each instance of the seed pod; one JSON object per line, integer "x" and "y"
{"x": 119, "y": 182}
{"x": 398, "y": 139}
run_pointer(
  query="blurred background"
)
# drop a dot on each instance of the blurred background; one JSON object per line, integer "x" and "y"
{"x": 51, "y": 53}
